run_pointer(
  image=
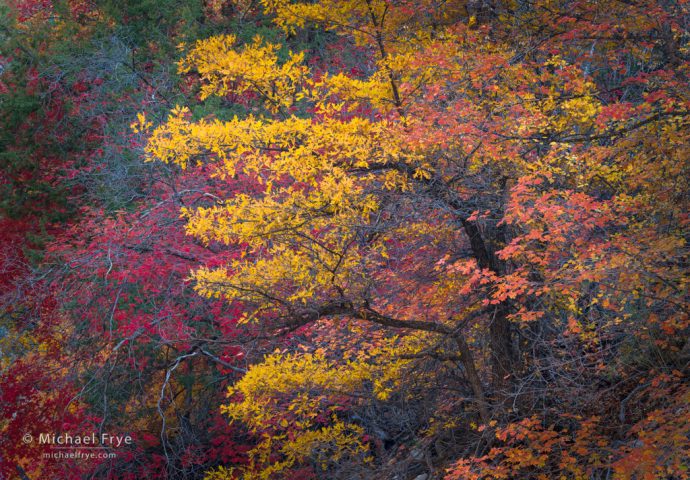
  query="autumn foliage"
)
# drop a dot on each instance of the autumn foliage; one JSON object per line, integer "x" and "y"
{"x": 348, "y": 239}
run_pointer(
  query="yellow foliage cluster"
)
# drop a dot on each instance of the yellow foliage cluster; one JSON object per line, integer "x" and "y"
{"x": 254, "y": 67}
{"x": 287, "y": 398}
{"x": 321, "y": 196}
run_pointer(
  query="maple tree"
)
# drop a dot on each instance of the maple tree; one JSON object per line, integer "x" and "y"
{"x": 474, "y": 184}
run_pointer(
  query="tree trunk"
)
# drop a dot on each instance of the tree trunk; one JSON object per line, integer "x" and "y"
{"x": 499, "y": 330}
{"x": 473, "y": 378}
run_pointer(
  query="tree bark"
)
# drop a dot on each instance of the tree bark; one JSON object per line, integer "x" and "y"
{"x": 473, "y": 377}
{"x": 500, "y": 336}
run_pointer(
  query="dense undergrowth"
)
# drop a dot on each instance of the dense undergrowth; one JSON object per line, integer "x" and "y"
{"x": 345, "y": 239}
